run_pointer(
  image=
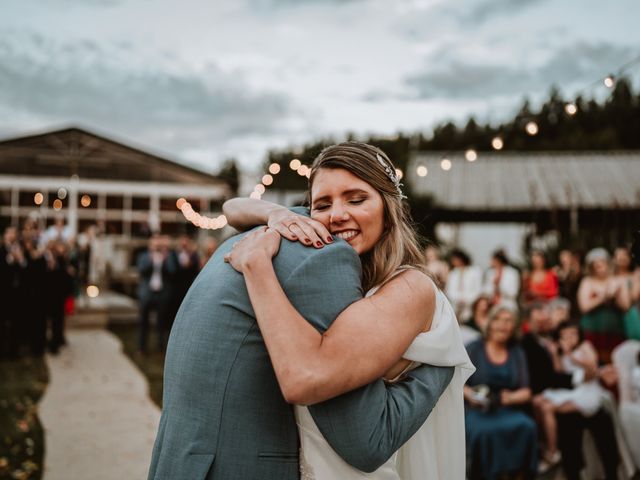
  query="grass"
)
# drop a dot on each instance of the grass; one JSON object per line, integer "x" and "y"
{"x": 22, "y": 383}
{"x": 151, "y": 365}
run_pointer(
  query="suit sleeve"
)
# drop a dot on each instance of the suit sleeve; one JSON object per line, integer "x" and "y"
{"x": 366, "y": 426}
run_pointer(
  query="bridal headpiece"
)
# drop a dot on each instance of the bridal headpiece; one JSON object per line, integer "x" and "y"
{"x": 392, "y": 175}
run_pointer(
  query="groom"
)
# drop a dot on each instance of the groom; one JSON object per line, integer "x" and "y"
{"x": 224, "y": 416}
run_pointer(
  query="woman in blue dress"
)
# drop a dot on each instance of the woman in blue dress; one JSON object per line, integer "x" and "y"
{"x": 501, "y": 437}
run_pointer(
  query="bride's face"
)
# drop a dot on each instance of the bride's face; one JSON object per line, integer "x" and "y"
{"x": 349, "y": 207}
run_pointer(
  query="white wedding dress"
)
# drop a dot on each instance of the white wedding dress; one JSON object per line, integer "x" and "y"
{"x": 437, "y": 450}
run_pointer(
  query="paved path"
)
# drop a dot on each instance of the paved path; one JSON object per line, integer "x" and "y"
{"x": 99, "y": 421}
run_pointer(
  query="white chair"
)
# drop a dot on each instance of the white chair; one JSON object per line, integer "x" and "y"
{"x": 625, "y": 358}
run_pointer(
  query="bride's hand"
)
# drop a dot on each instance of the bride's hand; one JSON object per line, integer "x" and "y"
{"x": 298, "y": 227}
{"x": 260, "y": 244}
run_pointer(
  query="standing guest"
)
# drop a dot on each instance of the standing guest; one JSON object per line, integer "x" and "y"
{"x": 541, "y": 283}
{"x": 494, "y": 395}
{"x": 12, "y": 268}
{"x": 36, "y": 284}
{"x": 187, "y": 263}
{"x": 156, "y": 268}
{"x": 502, "y": 281}
{"x": 464, "y": 284}
{"x": 57, "y": 231}
{"x": 211, "y": 245}
{"x": 623, "y": 272}
{"x": 59, "y": 286}
{"x": 434, "y": 265}
{"x": 602, "y": 299}
{"x": 537, "y": 345}
{"x": 569, "y": 273}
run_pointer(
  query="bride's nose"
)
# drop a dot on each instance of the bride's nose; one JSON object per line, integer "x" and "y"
{"x": 339, "y": 214}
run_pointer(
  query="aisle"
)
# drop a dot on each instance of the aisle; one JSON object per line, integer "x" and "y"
{"x": 98, "y": 419}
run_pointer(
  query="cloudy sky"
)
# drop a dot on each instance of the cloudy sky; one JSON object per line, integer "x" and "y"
{"x": 203, "y": 80}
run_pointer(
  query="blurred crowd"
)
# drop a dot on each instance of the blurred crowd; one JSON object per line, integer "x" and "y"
{"x": 40, "y": 273}
{"x": 557, "y": 354}
{"x": 43, "y": 272}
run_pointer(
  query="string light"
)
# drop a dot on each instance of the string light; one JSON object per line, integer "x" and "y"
{"x": 274, "y": 168}
{"x": 609, "y": 81}
{"x": 445, "y": 164}
{"x": 85, "y": 200}
{"x": 267, "y": 179}
{"x": 93, "y": 291}
{"x": 497, "y": 143}
{"x": 200, "y": 221}
{"x": 255, "y": 195}
{"x": 38, "y": 198}
{"x": 422, "y": 171}
{"x": 571, "y": 108}
{"x": 399, "y": 174}
{"x": 471, "y": 155}
{"x": 259, "y": 188}
{"x": 303, "y": 170}
{"x": 57, "y": 204}
{"x": 532, "y": 128}
{"x": 62, "y": 193}
{"x": 295, "y": 164}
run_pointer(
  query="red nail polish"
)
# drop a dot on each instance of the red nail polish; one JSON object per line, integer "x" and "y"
{"x": 318, "y": 244}
{"x": 329, "y": 239}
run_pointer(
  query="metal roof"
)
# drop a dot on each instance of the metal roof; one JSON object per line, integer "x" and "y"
{"x": 529, "y": 181}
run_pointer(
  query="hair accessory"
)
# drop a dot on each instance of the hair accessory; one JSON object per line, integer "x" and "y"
{"x": 392, "y": 175}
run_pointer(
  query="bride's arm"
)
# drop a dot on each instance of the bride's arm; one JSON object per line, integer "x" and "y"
{"x": 365, "y": 340}
{"x": 244, "y": 213}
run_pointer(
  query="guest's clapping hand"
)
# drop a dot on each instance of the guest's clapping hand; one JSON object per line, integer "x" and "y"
{"x": 258, "y": 245}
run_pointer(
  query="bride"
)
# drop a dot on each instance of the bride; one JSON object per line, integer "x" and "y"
{"x": 404, "y": 320}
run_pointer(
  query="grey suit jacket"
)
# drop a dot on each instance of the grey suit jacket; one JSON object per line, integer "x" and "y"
{"x": 224, "y": 416}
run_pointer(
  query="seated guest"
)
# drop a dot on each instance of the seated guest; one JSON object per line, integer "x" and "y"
{"x": 571, "y": 354}
{"x": 537, "y": 344}
{"x": 479, "y": 317}
{"x": 501, "y": 438}
{"x": 626, "y": 358}
{"x": 541, "y": 283}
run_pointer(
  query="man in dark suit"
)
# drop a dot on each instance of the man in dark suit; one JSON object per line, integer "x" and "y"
{"x": 12, "y": 267}
{"x": 157, "y": 269}
{"x": 571, "y": 426}
{"x": 187, "y": 262}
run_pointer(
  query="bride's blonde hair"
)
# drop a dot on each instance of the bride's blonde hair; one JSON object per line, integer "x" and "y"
{"x": 398, "y": 245}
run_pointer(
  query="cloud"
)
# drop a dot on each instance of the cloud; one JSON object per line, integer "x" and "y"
{"x": 163, "y": 101}
{"x": 490, "y": 8}
{"x": 568, "y": 66}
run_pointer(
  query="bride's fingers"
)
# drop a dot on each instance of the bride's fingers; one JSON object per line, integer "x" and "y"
{"x": 284, "y": 232}
{"x": 302, "y": 236}
{"x": 321, "y": 231}
{"x": 310, "y": 233}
